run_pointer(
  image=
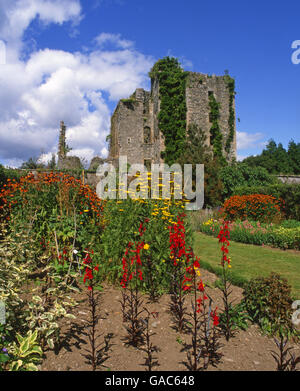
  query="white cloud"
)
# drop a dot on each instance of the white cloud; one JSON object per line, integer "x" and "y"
{"x": 16, "y": 16}
{"x": 114, "y": 39}
{"x": 54, "y": 85}
{"x": 249, "y": 140}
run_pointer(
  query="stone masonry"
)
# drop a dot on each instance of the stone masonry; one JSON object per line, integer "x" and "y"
{"x": 134, "y": 123}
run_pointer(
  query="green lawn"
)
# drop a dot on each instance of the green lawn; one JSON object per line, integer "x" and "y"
{"x": 249, "y": 261}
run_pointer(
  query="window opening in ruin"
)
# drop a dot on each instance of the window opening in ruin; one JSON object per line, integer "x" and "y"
{"x": 147, "y": 164}
{"x": 147, "y": 135}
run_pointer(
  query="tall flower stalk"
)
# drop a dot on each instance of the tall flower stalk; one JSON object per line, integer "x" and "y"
{"x": 131, "y": 301}
{"x": 224, "y": 237}
{"x": 180, "y": 258}
{"x": 203, "y": 320}
{"x": 93, "y": 300}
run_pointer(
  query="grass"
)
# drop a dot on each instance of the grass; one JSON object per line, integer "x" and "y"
{"x": 249, "y": 261}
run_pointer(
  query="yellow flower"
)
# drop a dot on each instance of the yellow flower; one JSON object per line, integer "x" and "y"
{"x": 86, "y": 210}
{"x": 146, "y": 246}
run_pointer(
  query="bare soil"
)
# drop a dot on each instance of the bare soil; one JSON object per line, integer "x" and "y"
{"x": 247, "y": 351}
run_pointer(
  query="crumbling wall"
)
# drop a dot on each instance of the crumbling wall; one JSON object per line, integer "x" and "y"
{"x": 132, "y": 116}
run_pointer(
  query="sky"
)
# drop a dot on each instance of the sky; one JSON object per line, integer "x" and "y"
{"x": 72, "y": 60}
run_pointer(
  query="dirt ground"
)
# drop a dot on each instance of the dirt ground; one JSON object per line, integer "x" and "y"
{"x": 247, "y": 351}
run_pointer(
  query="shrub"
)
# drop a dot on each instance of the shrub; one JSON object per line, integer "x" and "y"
{"x": 290, "y": 193}
{"x": 257, "y": 207}
{"x": 63, "y": 214}
{"x": 268, "y": 302}
{"x": 9, "y": 173}
{"x": 239, "y": 174}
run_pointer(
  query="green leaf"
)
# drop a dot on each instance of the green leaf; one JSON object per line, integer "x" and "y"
{"x": 31, "y": 367}
{"x": 4, "y": 358}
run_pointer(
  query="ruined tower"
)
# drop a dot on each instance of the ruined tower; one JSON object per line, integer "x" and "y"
{"x": 62, "y": 142}
{"x": 135, "y": 129}
{"x": 64, "y": 161}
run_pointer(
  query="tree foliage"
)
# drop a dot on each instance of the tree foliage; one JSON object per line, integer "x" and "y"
{"x": 276, "y": 159}
{"x": 240, "y": 174}
{"x": 196, "y": 151}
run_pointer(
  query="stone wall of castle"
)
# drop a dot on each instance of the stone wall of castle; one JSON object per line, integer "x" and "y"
{"x": 134, "y": 132}
{"x": 198, "y": 88}
{"x": 134, "y": 124}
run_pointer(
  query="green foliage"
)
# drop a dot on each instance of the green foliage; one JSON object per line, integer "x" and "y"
{"x": 9, "y": 173}
{"x": 26, "y": 352}
{"x": 252, "y": 232}
{"x": 290, "y": 193}
{"x": 52, "y": 163}
{"x": 240, "y": 174}
{"x": 216, "y": 137}
{"x": 231, "y": 87}
{"x": 32, "y": 163}
{"x": 197, "y": 152}
{"x": 63, "y": 214}
{"x": 276, "y": 159}
{"x": 195, "y": 147}
{"x": 238, "y": 315}
{"x": 172, "y": 115}
{"x": 123, "y": 219}
{"x": 2, "y": 175}
{"x": 268, "y": 302}
{"x": 43, "y": 320}
{"x": 21, "y": 265}
{"x": 213, "y": 184}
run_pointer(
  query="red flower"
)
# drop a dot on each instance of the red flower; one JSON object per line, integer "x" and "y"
{"x": 215, "y": 317}
{"x": 201, "y": 286}
{"x": 224, "y": 239}
{"x": 196, "y": 264}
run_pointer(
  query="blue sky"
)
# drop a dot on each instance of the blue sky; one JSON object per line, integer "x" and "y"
{"x": 73, "y": 60}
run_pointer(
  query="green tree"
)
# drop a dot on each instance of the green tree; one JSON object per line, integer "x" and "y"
{"x": 2, "y": 175}
{"x": 276, "y": 159}
{"x": 294, "y": 157}
{"x": 241, "y": 174}
{"x": 52, "y": 163}
{"x": 196, "y": 151}
{"x": 32, "y": 163}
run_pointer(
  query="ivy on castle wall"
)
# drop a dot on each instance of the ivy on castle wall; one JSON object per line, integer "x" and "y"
{"x": 172, "y": 115}
{"x": 231, "y": 87}
{"x": 216, "y": 137}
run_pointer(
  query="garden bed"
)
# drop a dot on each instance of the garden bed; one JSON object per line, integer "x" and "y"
{"x": 247, "y": 350}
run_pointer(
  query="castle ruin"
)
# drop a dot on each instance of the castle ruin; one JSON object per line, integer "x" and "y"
{"x": 134, "y": 124}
